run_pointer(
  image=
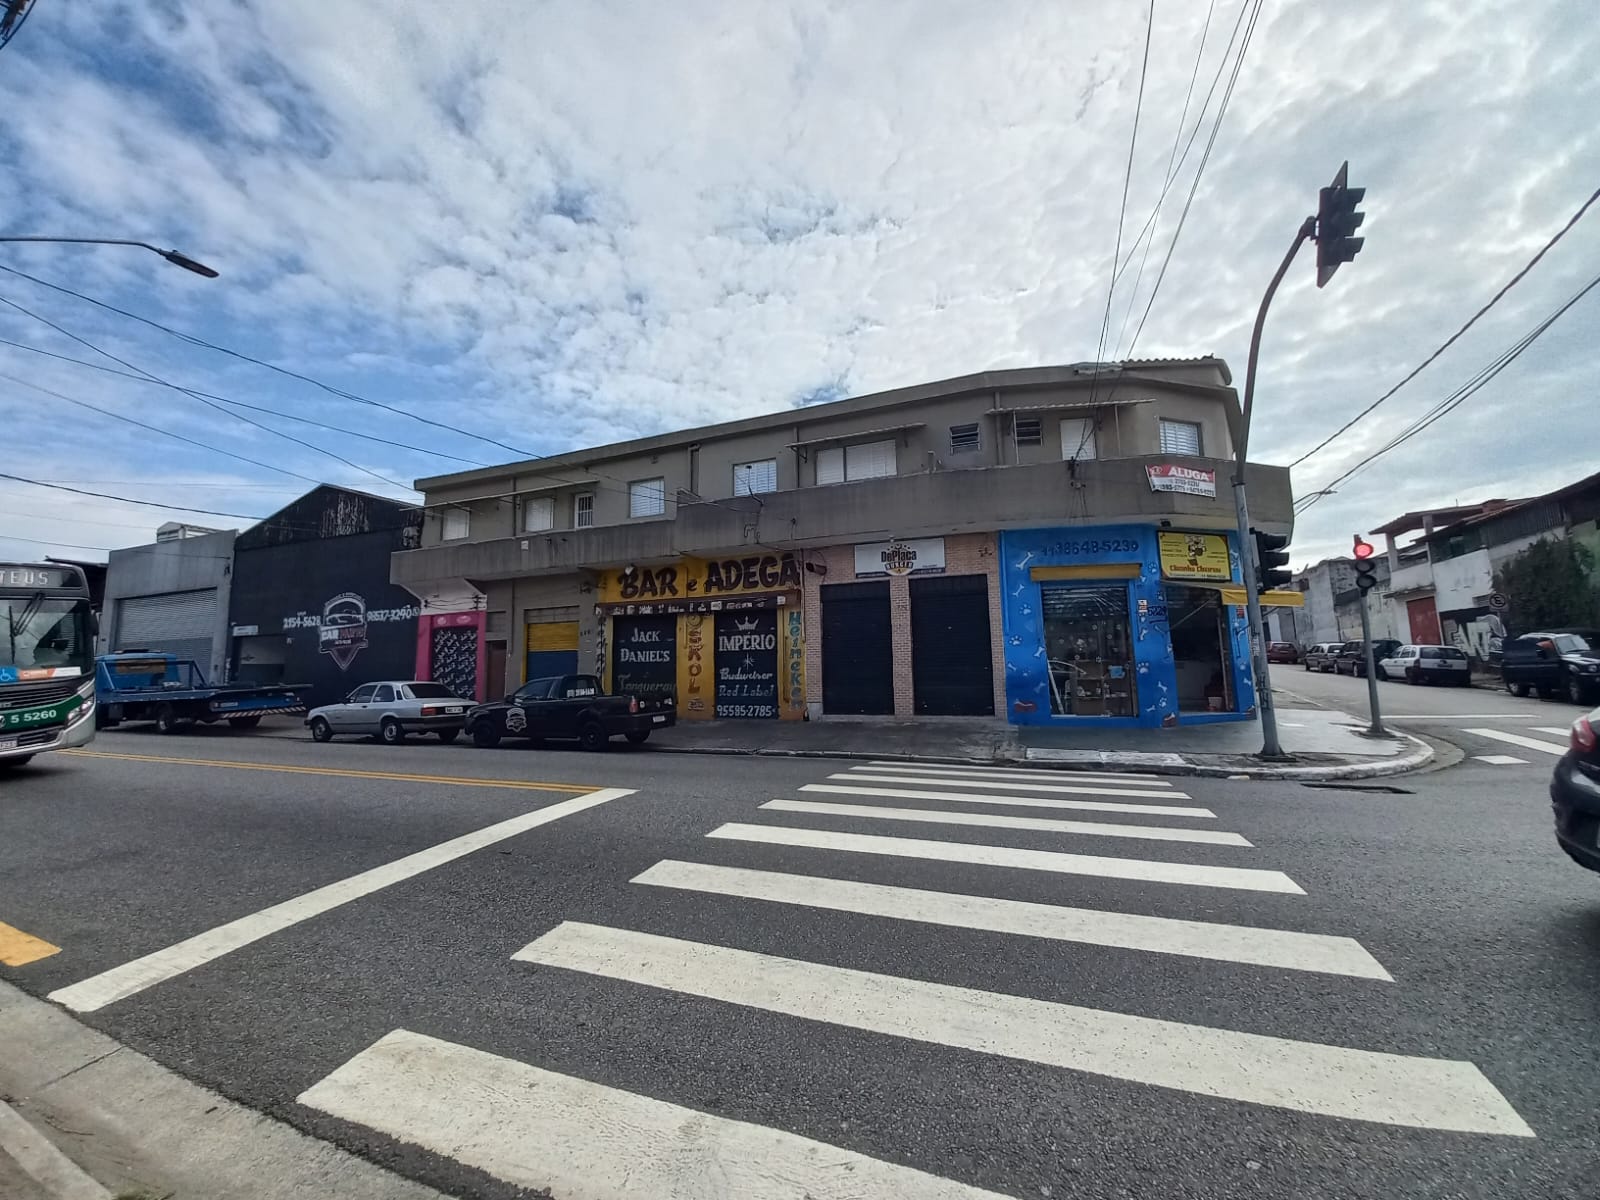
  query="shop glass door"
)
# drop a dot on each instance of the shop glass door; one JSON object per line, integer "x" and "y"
{"x": 1201, "y": 658}
{"x": 1089, "y": 644}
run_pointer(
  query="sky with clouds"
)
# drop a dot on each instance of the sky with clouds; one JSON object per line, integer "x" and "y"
{"x": 561, "y": 224}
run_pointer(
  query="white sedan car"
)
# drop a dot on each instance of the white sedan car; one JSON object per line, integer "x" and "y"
{"x": 390, "y": 710}
{"x": 1429, "y": 664}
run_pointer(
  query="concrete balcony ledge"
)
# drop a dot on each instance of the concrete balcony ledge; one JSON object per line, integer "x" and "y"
{"x": 926, "y": 504}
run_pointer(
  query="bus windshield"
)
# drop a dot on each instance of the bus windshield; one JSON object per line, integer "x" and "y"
{"x": 39, "y": 631}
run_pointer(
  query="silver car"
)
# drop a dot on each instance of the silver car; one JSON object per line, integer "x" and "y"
{"x": 390, "y": 710}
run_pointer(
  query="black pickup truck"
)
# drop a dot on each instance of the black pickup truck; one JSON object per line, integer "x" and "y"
{"x": 572, "y": 708}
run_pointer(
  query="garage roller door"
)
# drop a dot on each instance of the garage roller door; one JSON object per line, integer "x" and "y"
{"x": 857, "y": 654}
{"x": 952, "y": 671}
{"x": 180, "y": 623}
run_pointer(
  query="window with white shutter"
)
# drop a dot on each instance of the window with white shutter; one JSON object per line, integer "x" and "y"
{"x": 583, "y": 510}
{"x": 751, "y": 478}
{"x": 538, "y": 514}
{"x": 869, "y": 460}
{"x": 457, "y": 524}
{"x": 1077, "y": 437}
{"x": 1180, "y": 437}
{"x": 647, "y": 497}
{"x": 830, "y": 465}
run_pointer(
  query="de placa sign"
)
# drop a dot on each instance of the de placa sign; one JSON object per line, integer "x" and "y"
{"x": 694, "y": 578}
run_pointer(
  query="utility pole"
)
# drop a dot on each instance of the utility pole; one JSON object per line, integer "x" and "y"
{"x": 1332, "y": 229}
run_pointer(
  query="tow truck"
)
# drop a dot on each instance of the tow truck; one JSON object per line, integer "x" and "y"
{"x": 137, "y": 685}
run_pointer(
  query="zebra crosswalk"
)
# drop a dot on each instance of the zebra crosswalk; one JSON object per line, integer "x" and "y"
{"x": 822, "y": 858}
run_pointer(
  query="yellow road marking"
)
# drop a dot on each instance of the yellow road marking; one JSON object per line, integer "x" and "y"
{"x": 452, "y": 780}
{"x": 18, "y": 949}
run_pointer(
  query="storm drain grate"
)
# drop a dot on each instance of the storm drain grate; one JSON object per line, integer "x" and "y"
{"x": 1387, "y": 789}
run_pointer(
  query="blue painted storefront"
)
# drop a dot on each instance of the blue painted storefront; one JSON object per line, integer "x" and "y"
{"x": 1155, "y": 680}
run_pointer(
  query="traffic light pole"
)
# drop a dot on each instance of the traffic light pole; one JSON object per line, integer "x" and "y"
{"x": 1270, "y": 747}
{"x": 1375, "y": 729}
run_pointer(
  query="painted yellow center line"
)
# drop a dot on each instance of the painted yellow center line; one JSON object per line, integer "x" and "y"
{"x": 525, "y": 785}
{"x": 18, "y": 949}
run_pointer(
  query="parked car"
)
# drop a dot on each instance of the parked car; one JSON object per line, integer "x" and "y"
{"x": 1352, "y": 657}
{"x": 1575, "y": 793}
{"x": 1319, "y": 657}
{"x": 1283, "y": 652}
{"x": 1559, "y": 663}
{"x": 390, "y": 710}
{"x": 1428, "y": 664}
{"x": 570, "y": 707}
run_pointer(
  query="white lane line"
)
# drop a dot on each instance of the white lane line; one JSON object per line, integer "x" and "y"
{"x": 1516, "y": 739}
{"x": 1149, "y": 810}
{"x": 1249, "y": 879}
{"x": 1499, "y": 716}
{"x": 1336, "y": 1081}
{"x": 877, "y": 762}
{"x": 1560, "y": 731}
{"x": 930, "y": 816}
{"x": 1501, "y": 760}
{"x": 1018, "y": 785}
{"x": 1282, "y": 948}
{"x": 132, "y": 977}
{"x": 1001, "y": 773}
{"x": 564, "y": 1136}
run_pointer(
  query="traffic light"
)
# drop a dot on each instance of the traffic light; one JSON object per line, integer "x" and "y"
{"x": 1366, "y": 568}
{"x": 1272, "y": 561}
{"x": 1337, "y": 222}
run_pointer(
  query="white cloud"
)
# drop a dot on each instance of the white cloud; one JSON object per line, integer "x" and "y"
{"x": 559, "y": 224}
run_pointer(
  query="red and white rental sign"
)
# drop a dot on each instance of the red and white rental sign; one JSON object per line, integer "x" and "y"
{"x": 1194, "y": 481}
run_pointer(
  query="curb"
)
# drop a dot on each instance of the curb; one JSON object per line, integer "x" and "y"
{"x": 1103, "y": 762}
{"x": 41, "y": 1161}
{"x": 137, "y": 1124}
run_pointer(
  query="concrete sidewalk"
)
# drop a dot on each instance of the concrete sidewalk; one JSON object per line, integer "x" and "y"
{"x": 82, "y": 1117}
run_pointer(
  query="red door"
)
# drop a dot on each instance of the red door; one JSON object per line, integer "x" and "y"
{"x": 1423, "y": 618}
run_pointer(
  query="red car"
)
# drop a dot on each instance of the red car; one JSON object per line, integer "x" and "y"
{"x": 1282, "y": 652}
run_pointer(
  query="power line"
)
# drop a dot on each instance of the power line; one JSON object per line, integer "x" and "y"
{"x": 1451, "y": 340}
{"x": 1205, "y": 157}
{"x": 1453, "y": 401}
{"x": 1173, "y": 163}
{"x": 210, "y": 404}
{"x": 193, "y": 340}
{"x": 1122, "y": 212}
{"x": 94, "y": 366}
{"x": 61, "y": 487}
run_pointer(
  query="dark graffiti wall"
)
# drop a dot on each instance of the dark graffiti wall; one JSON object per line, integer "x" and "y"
{"x": 328, "y": 597}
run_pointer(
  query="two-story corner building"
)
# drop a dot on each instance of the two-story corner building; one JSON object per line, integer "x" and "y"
{"x": 1052, "y": 544}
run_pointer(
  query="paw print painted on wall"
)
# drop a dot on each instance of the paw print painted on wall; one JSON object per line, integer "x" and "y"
{"x": 1014, "y": 640}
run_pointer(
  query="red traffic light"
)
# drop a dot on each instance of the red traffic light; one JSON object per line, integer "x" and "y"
{"x": 1364, "y": 549}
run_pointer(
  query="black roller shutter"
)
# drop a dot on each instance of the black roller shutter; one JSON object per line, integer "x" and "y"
{"x": 952, "y": 669}
{"x": 857, "y": 656}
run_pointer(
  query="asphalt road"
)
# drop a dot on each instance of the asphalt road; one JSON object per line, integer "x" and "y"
{"x": 549, "y": 1022}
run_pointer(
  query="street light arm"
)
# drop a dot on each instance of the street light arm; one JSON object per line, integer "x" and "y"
{"x": 172, "y": 256}
{"x": 1241, "y": 443}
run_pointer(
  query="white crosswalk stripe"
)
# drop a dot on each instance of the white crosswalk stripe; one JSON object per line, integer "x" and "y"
{"x": 879, "y": 762}
{"x": 1517, "y": 739}
{"x": 585, "y": 1141}
{"x": 1149, "y": 810}
{"x": 1303, "y": 1076}
{"x": 1250, "y": 879}
{"x": 1280, "y": 948}
{"x": 1064, "y": 789}
{"x": 1155, "y": 833}
{"x": 1501, "y": 760}
{"x": 1560, "y": 731}
{"x": 1009, "y": 773}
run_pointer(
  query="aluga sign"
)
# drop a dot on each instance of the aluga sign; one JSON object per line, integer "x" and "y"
{"x": 46, "y": 660}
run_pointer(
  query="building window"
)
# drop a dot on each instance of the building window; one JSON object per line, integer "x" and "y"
{"x": 538, "y": 514}
{"x": 965, "y": 439}
{"x": 1180, "y": 437}
{"x": 457, "y": 524}
{"x": 846, "y": 464}
{"x": 1030, "y": 431}
{"x": 1077, "y": 437}
{"x": 647, "y": 497}
{"x": 583, "y": 510}
{"x": 752, "y": 478}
